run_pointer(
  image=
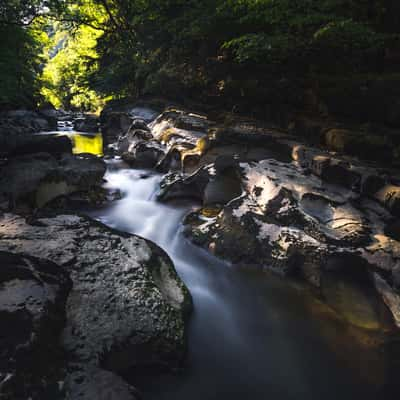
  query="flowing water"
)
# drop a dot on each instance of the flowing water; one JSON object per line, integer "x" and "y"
{"x": 251, "y": 335}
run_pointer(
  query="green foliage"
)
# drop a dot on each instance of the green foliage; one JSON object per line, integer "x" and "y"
{"x": 101, "y": 48}
{"x": 65, "y": 76}
{"x": 20, "y": 62}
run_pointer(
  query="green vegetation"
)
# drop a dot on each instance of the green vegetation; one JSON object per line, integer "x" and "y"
{"x": 78, "y": 53}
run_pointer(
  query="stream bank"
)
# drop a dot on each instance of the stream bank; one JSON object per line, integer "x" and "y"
{"x": 253, "y": 196}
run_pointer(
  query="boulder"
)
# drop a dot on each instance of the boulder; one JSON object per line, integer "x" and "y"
{"x": 389, "y": 196}
{"x": 127, "y": 306}
{"x": 99, "y": 384}
{"x": 335, "y": 171}
{"x": 360, "y": 144}
{"x": 114, "y": 124}
{"x": 31, "y": 181}
{"x": 53, "y": 144}
{"x": 132, "y": 137}
{"x": 390, "y": 296}
{"x": 88, "y": 123}
{"x": 143, "y": 154}
{"x": 33, "y": 294}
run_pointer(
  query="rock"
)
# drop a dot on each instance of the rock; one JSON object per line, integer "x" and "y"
{"x": 360, "y": 144}
{"x": 143, "y": 154}
{"x": 32, "y": 181}
{"x": 33, "y": 294}
{"x": 94, "y": 383}
{"x": 176, "y": 185}
{"x": 335, "y": 171}
{"x": 132, "y": 137}
{"x": 24, "y": 122}
{"x": 389, "y": 196}
{"x": 182, "y": 120}
{"x": 114, "y": 124}
{"x": 372, "y": 183}
{"x": 390, "y": 297}
{"x": 53, "y": 144}
{"x": 127, "y": 305}
{"x": 88, "y": 123}
{"x": 139, "y": 124}
{"x": 383, "y": 253}
{"x": 284, "y": 220}
{"x": 392, "y": 229}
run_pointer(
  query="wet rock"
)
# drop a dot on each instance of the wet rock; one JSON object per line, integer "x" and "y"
{"x": 94, "y": 383}
{"x": 390, "y": 296}
{"x": 283, "y": 219}
{"x": 389, "y": 196}
{"x": 24, "y": 122}
{"x": 143, "y": 154}
{"x": 114, "y": 124}
{"x": 88, "y": 123}
{"x": 176, "y": 185}
{"x": 335, "y": 171}
{"x": 132, "y": 137}
{"x": 53, "y": 144}
{"x": 183, "y": 120}
{"x": 33, "y": 294}
{"x": 33, "y": 180}
{"x": 351, "y": 293}
{"x": 127, "y": 305}
{"x": 140, "y": 124}
{"x": 359, "y": 144}
{"x": 392, "y": 229}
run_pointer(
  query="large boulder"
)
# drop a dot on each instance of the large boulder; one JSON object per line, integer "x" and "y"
{"x": 292, "y": 223}
{"x": 53, "y": 144}
{"x": 127, "y": 306}
{"x": 144, "y": 154}
{"x": 115, "y": 124}
{"x": 33, "y": 294}
{"x": 88, "y": 123}
{"x": 31, "y": 181}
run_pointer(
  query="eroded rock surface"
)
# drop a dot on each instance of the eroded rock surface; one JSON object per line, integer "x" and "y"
{"x": 33, "y": 294}
{"x": 291, "y": 207}
{"x": 127, "y": 305}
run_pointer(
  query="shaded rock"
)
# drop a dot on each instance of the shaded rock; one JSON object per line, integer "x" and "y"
{"x": 143, "y": 154}
{"x": 13, "y": 145}
{"x": 33, "y": 180}
{"x": 183, "y": 120}
{"x": 140, "y": 124}
{"x": 176, "y": 185}
{"x": 383, "y": 253}
{"x": 360, "y": 144}
{"x": 53, "y": 144}
{"x": 33, "y": 294}
{"x": 127, "y": 305}
{"x": 390, "y": 297}
{"x": 114, "y": 124}
{"x": 132, "y": 137}
{"x": 389, "y": 196}
{"x": 351, "y": 293}
{"x": 335, "y": 171}
{"x": 94, "y": 383}
{"x": 392, "y": 229}
{"x": 88, "y": 123}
